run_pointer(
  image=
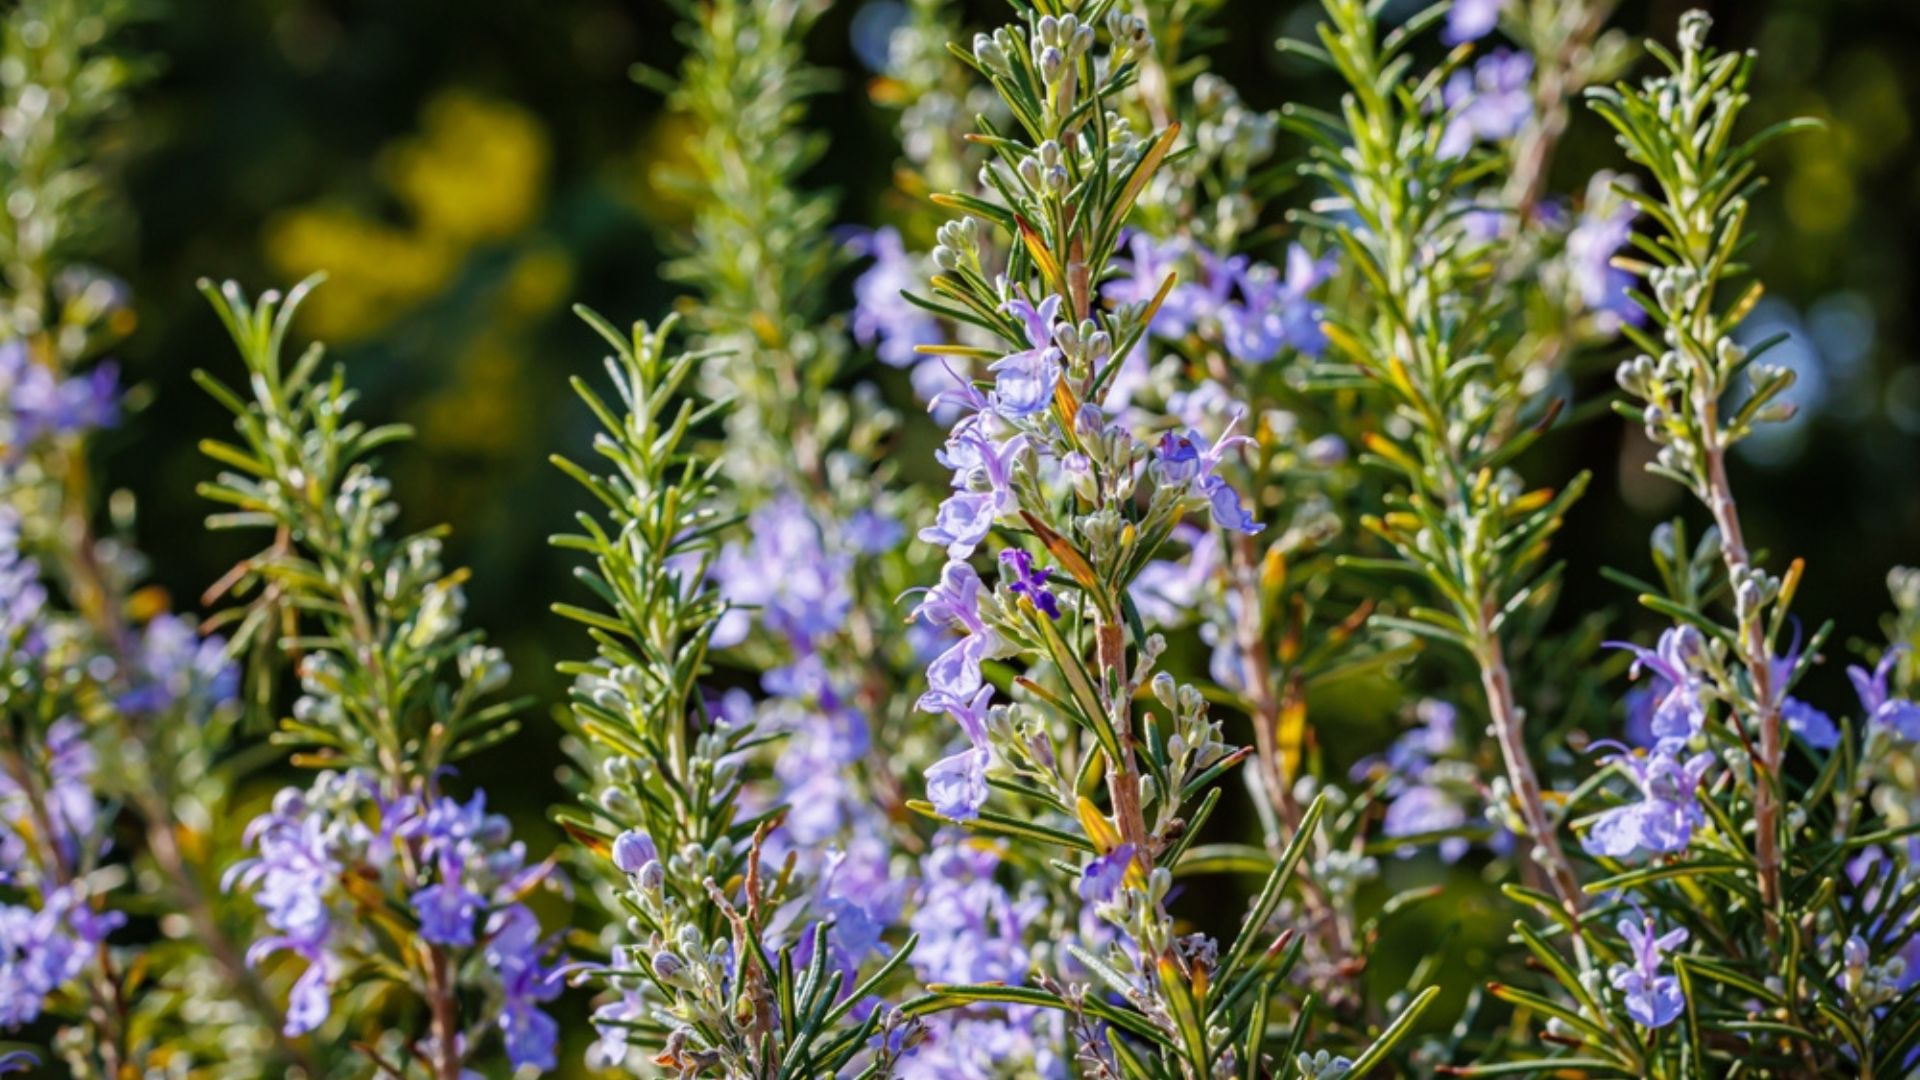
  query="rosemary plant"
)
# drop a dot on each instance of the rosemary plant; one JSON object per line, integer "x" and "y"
{"x": 118, "y": 716}
{"x": 371, "y": 877}
{"x": 726, "y": 968}
{"x": 1046, "y": 460}
{"x": 1460, "y": 519}
{"x": 936, "y": 780}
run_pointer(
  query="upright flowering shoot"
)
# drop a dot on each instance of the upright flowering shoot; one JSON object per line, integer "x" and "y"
{"x": 392, "y": 692}
{"x": 723, "y": 967}
{"x": 1072, "y": 500}
{"x": 1398, "y": 174}
{"x": 1680, "y": 127}
{"x": 1744, "y": 852}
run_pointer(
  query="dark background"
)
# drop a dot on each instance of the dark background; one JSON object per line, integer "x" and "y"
{"x": 467, "y": 170}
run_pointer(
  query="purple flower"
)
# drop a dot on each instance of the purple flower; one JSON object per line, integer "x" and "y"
{"x": 22, "y": 596}
{"x": 828, "y": 740}
{"x": 969, "y": 712}
{"x": 1652, "y": 999}
{"x": 1100, "y": 882}
{"x": 1489, "y": 104}
{"x": 1898, "y": 715}
{"x": 949, "y": 394}
{"x": 956, "y": 672}
{"x": 1471, "y": 20}
{"x": 449, "y": 861}
{"x": 613, "y": 1019}
{"x": 1678, "y": 709}
{"x": 957, "y": 784}
{"x": 1275, "y": 313}
{"x": 1662, "y": 822}
{"x": 1183, "y": 460}
{"x": 1603, "y": 230}
{"x": 514, "y": 952}
{"x": 971, "y": 930}
{"x": 1017, "y": 567}
{"x": 955, "y": 602}
{"x": 1223, "y": 502}
{"x": 292, "y": 880}
{"x": 1025, "y": 379}
{"x": 42, "y": 949}
{"x": 66, "y": 766}
{"x": 1423, "y": 809}
{"x": 983, "y": 482}
{"x": 1168, "y": 590}
{"x": 1152, "y": 262}
{"x": 310, "y": 1001}
{"x": 789, "y": 572}
{"x": 873, "y": 532}
{"x": 175, "y": 665}
{"x": 861, "y": 899}
{"x": 964, "y": 1046}
{"x": 36, "y": 404}
{"x": 1811, "y": 724}
{"x": 446, "y": 909}
{"x": 17, "y": 1061}
{"x": 1325, "y": 452}
{"x": 1176, "y": 460}
{"x": 881, "y": 311}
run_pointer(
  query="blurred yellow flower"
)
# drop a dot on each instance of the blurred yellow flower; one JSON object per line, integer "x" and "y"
{"x": 475, "y": 174}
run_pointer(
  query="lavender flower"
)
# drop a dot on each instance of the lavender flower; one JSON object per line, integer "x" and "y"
{"x": 1884, "y": 711}
{"x": 176, "y": 666}
{"x": 1676, "y": 704}
{"x": 43, "y": 948}
{"x": 1603, "y": 230}
{"x": 1652, "y": 999}
{"x": 1187, "y": 460}
{"x": 789, "y": 572}
{"x": 450, "y": 863}
{"x": 34, "y": 404}
{"x": 1662, "y": 822}
{"x": 881, "y": 313}
{"x": 1025, "y": 380}
{"x": 1488, "y": 104}
{"x": 1277, "y": 313}
{"x": 1017, "y": 569}
{"x": 1471, "y": 20}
